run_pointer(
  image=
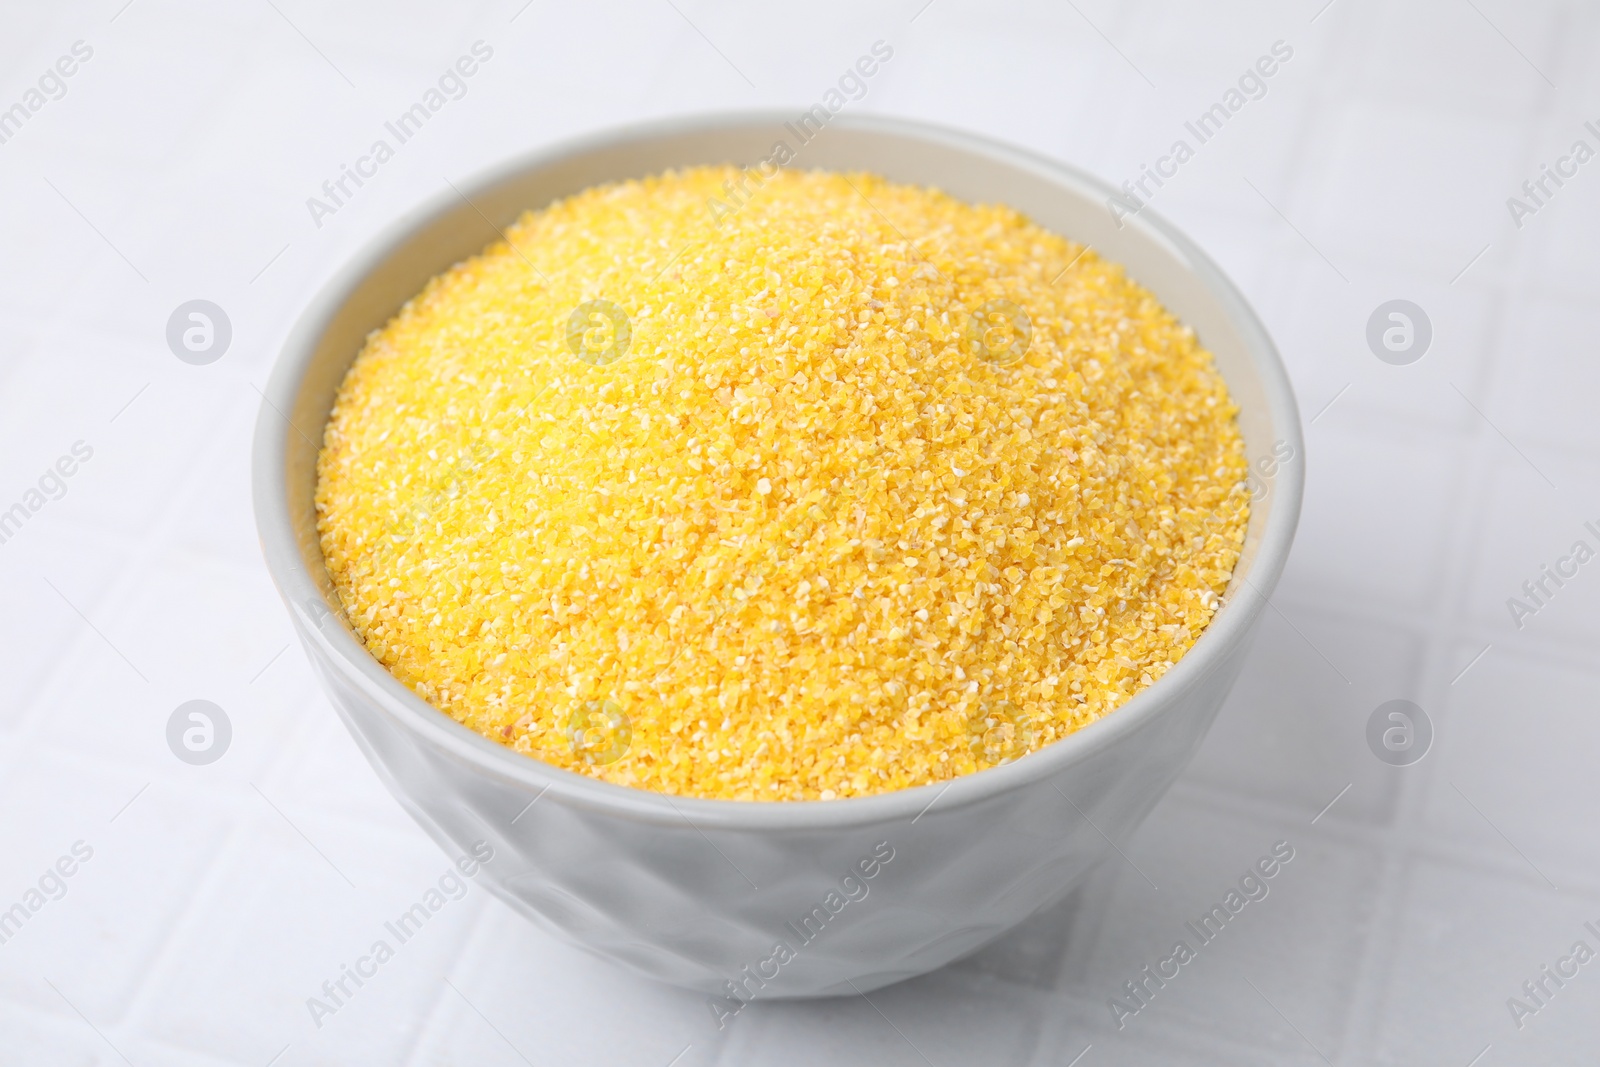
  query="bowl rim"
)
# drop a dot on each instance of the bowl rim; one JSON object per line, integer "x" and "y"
{"x": 1230, "y": 626}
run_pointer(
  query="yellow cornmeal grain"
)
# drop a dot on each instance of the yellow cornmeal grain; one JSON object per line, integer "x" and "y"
{"x": 803, "y": 540}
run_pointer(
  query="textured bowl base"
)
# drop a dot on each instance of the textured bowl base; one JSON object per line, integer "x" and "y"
{"x": 683, "y": 907}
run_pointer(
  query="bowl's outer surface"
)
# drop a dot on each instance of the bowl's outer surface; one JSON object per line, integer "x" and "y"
{"x": 700, "y": 893}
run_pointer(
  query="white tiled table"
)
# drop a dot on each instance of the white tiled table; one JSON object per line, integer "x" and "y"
{"x": 218, "y": 898}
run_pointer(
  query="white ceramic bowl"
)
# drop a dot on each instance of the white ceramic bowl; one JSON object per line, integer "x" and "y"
{"x": 702, "y": 893}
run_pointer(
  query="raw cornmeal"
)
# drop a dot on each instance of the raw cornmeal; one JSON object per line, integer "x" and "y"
{"x": 776, "y": 519}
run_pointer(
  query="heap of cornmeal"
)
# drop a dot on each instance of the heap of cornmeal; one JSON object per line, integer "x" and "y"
{"x": 820, "y": 489}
